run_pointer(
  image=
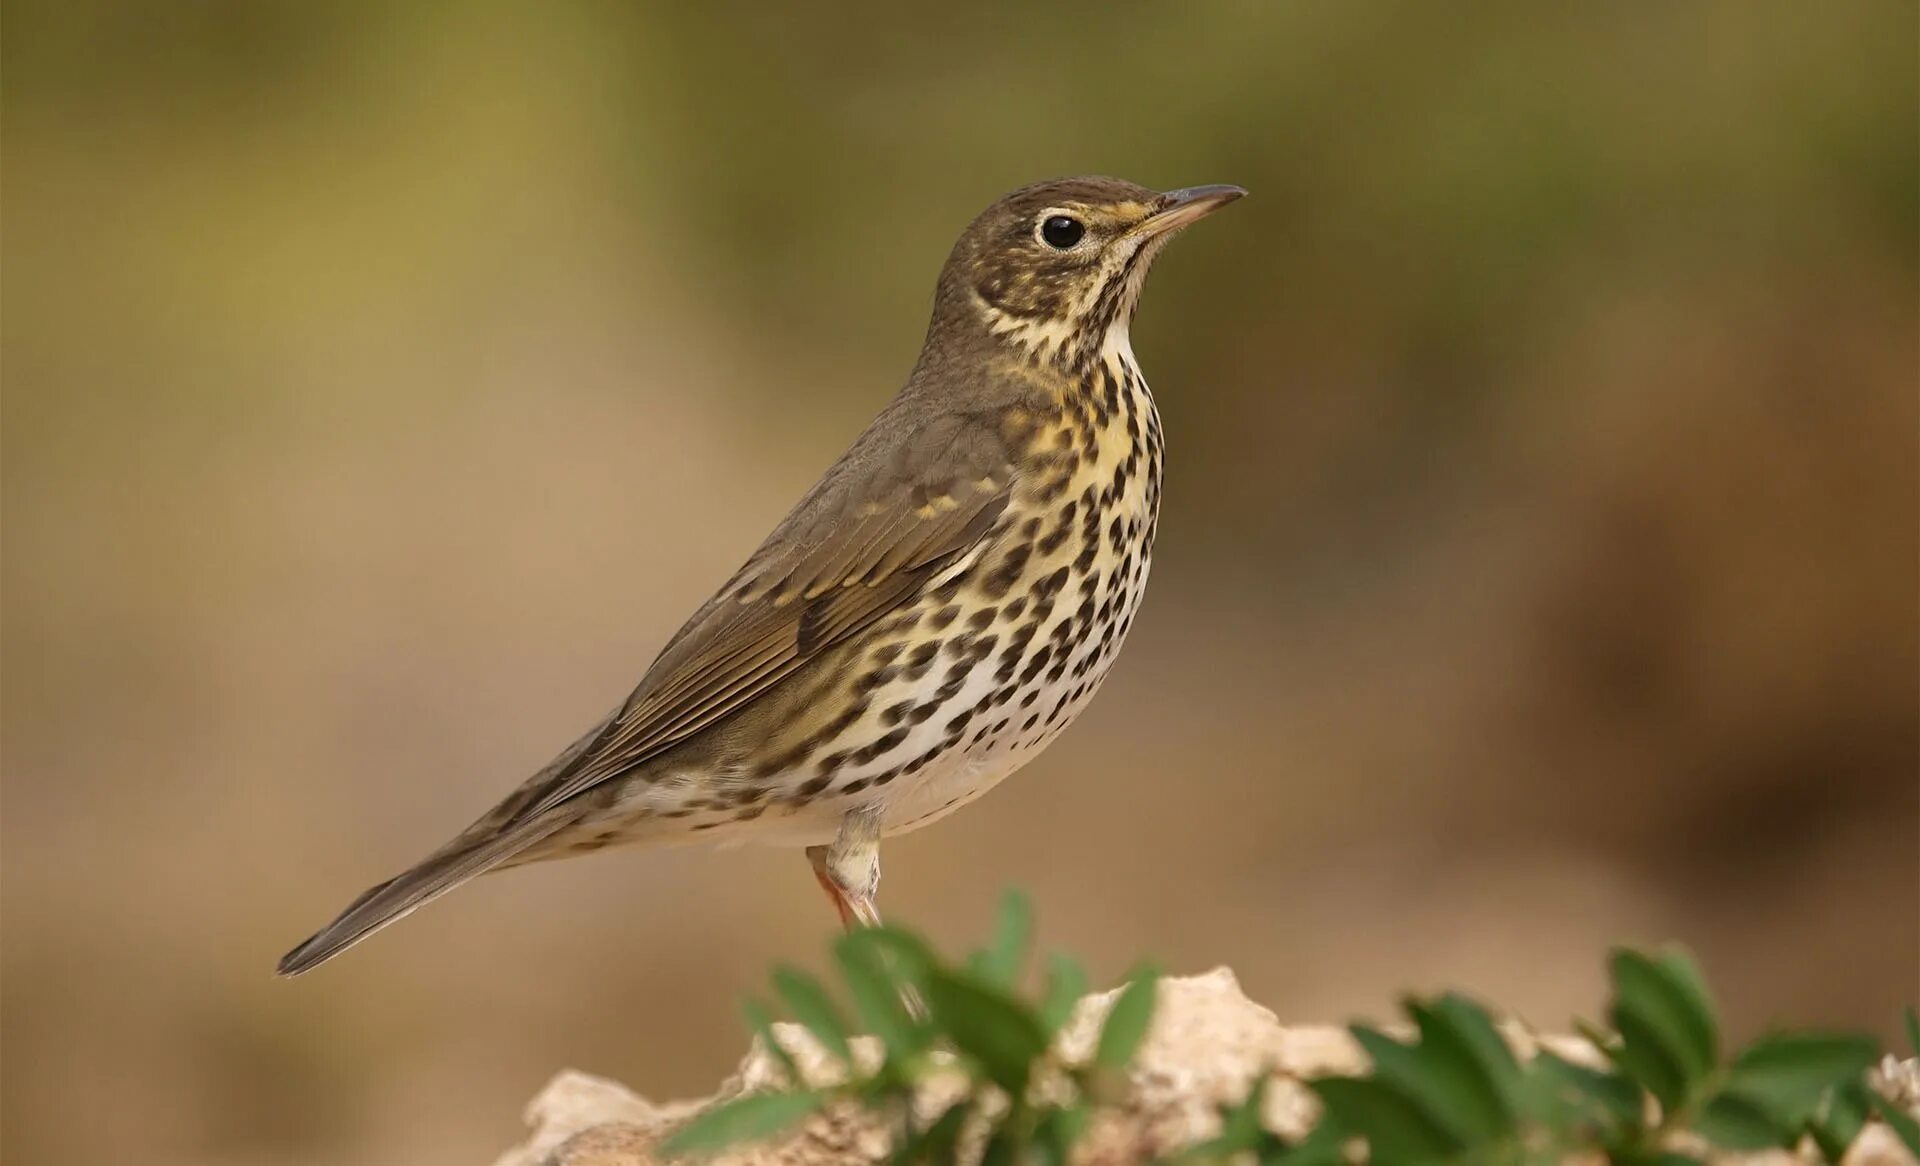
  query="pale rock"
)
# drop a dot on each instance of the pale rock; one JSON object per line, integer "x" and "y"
{"x": 1207, "y": 1044}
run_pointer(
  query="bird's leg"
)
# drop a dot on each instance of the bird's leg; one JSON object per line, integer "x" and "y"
{"x": 849, "y": 869}
{"x": 849, "y": 872}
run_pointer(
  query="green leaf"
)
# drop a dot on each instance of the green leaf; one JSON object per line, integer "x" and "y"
{"x": 1912, "y": 1020}
{"x": 1843, "y": 1114}
{"x": 876, "y": 996}
{"x": 761, "y": 1022}
{"x": 1479, "y": 1081}
{"x": 1127, "y": 1022}
{"x": 1789, "y": 1071}
{"x": 1840, "y": 1121}
{"x": 744, "y": 1119}
{"x": 1664, "y": 1005}
{"x": 808, "y": 1002}
{"x": 1013, "y": 931}
{"x": 1057, "y": 1132}
{"x": 1736, "y": 1122}
{"x": 1833, "y": 1147}
{"x": 1684, "y": 975}
{"x": 1645, "y": 1059}
{"x": 1476, "y": 1028}
{"x": 987, "y": 1025}
{"x": 1001, "y": 1150}
{"x": 1397, "y": 1130}
{"x": 1902, "y": 1123}
{"x": 1324, "y": 1145}
{"x": 1440, "y": 1095}
{"x": 1243, "y": 1126}
{"x": 1066, "y": 984}
{"x": 1607, "y": 1097}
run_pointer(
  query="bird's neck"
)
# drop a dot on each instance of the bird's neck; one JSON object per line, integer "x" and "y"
{"x": 1089, "y": 367}
{"x": 1107, "y": 381}
{"x": 1045, "y": 364}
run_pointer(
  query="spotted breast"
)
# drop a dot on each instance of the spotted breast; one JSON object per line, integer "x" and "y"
{"x": 999, "y": 653}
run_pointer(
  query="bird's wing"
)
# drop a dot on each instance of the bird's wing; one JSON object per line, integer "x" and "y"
{"x": 905, "y": 502}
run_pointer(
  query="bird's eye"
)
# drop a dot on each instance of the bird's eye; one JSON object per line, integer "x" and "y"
{"x": 1062, "y": 231}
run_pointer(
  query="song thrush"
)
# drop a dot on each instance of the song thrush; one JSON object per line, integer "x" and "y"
{"x": 931, "y": 615}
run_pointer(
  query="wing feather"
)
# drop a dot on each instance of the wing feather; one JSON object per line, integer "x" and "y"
{"x": 903, "y": 504}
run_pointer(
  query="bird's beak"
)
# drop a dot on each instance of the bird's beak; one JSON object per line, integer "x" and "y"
{"x": 1180, "y": 208}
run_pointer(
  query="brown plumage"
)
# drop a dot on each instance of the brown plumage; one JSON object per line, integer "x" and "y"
{"x": 934, "y": 611}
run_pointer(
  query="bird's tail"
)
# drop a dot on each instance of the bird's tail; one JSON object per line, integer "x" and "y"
{"x": 453, "y": 864}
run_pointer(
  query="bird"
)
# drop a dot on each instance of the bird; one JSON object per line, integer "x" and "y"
{"x": 932, "y": 614}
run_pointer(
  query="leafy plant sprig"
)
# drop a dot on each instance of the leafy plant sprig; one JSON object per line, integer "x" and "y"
{"x": 1659, "y": 1091}
{"x": 1454, "y": 1091}
{"x": 997, "y": 1041}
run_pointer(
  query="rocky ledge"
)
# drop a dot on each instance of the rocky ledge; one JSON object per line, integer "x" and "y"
{"x": 1207, "y": 1044}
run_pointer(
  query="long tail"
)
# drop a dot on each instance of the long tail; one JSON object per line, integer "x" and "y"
{"x": 453, "y": 864}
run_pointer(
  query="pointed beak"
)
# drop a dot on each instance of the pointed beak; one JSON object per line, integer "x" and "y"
{"x": 1180, "y": 208}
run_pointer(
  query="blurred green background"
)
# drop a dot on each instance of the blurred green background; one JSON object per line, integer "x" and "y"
{"x": 383, "y": 383}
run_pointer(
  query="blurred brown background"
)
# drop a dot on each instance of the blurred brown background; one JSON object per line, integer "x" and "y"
{"x": 383, "y": 383}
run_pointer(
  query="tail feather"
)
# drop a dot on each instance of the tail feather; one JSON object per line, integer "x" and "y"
{"x": 453, "y": 864}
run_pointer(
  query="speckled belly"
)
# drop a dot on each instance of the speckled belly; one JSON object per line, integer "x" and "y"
{"x": 1007, "y": 649}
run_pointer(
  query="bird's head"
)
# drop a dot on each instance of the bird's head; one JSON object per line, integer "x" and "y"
{"x": 1056, "y": 267}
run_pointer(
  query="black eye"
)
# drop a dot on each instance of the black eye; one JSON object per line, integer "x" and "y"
{"x": 1062, "y": 231}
